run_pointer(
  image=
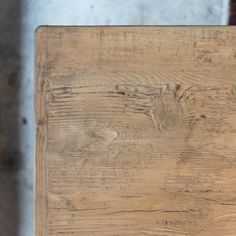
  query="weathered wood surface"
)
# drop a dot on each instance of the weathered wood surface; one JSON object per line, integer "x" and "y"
{"x": 136, "y": 131}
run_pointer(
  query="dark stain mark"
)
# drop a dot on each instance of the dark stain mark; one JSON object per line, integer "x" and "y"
{"x": 205, "y": 190}
{"x": 41, "y": 122}
{"x": 204, "y": 58}
{"x": 12, "y": 79}
{"x": 121, "y": 93}
{"x": 177, "y": 87}
{"x": 24, "y": 121}
{"x": 10, "y": 160}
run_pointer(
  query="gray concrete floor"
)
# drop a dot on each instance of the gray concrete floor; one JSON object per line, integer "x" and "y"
{"x": 18, "y": 20}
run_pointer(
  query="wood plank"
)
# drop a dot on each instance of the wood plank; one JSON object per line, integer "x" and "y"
{"x": 136, "y": 131}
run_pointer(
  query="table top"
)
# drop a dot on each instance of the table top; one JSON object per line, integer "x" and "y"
{"x": 136, "y": 131}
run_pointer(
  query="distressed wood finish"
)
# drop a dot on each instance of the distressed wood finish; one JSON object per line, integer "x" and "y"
{"x": 136, "y": 131}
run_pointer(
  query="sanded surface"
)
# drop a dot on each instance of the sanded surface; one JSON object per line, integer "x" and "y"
{"x": 136, "y": 131}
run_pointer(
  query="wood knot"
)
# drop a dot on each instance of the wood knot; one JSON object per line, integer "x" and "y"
{"x": 166, "y": 110}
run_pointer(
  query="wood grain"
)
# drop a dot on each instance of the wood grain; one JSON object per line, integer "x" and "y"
{"x": 136, "y": 131}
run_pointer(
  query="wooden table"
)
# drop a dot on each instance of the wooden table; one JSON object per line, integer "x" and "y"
{"x": 136, "y": 131}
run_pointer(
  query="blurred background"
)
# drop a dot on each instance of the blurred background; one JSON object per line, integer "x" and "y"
{"x": 18, "y": 20}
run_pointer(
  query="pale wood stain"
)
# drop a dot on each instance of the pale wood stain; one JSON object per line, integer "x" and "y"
{"x": 136, "y": 131}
